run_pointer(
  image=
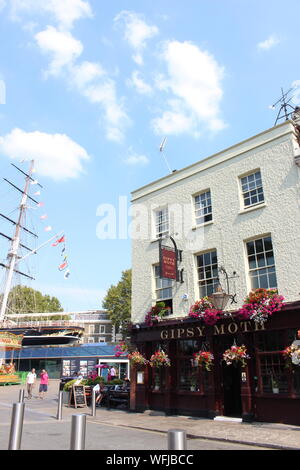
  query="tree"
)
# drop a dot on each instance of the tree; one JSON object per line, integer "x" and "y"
{"x": 117, "y": 301}
{"x": 24, "y": 299}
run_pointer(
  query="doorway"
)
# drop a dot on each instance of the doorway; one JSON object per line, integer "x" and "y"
{"x": 232, "y": 390}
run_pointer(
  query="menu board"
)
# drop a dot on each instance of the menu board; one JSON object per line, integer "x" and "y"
{"x": 79, "y": 396}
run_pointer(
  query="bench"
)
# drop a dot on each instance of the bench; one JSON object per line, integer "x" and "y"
{"x": 118, "y": 396}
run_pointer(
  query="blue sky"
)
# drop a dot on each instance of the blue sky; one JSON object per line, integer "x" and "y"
{"x": 92, "y": 88}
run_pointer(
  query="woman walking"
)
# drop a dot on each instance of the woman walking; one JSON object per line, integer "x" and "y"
{"x": 44, "y": 380}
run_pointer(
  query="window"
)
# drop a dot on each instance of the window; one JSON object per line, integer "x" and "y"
{"x": 203, "y": 208}
{"x": 207, "y": 266}
{"x": 102, "y": 329}
{"x": 252, "y": 189}
{"x": 163, "y": 287}
{"x": 261, "y": 263}
{"x": 189, "y": 376}
{"x": 161, "y": 222}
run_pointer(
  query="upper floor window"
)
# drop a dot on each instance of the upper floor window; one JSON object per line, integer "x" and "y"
{"x": 207, "y": 266}
{"x": 163, "y": 286}
{"x": 203, "y": 208}
{"x": 252, "y": 189}
{"x": 161, "y": 222}
{"x": 261, "y": 263}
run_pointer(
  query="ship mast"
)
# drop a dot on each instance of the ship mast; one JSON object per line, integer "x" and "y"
{"x": 15, "y": 241}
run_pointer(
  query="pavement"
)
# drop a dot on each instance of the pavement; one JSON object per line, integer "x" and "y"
{"x": 264, "y": 435}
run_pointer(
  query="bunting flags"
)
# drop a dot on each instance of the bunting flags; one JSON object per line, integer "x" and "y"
{"x": 64, "y": 263}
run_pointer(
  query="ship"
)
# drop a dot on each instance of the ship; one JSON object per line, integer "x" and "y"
{"x": 33, "y": 333}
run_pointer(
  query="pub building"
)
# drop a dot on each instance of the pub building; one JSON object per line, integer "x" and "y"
{"x": 220, "y": 228}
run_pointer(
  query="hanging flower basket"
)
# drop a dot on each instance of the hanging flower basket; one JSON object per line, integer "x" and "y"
{"x": 156, "y": 313}
{"x": 236, "y": 355}
{"x": 204, "y": 359}
{"x": 204, "y": 310}
{"x": 260, "y": 305}
{"x": 159, "y": 359}
{"x": 292, "y": 355}
{"x": 137, "y": 359}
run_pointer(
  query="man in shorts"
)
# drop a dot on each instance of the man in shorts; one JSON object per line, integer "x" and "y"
{"x": 30, "y": 381}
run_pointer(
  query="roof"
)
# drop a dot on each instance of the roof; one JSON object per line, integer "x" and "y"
{"x": 97, "y": 350}
{"x": 280, "y": 131}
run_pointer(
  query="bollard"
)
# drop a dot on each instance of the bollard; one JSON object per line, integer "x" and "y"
{"x": 16, "y": 426}
{"x": 78, "y": 432}
{"x": 93, "y": 402}
{"x": 177, "y": 439}
{"x": 21, "y": 395}
{"x": 59, "y": 405}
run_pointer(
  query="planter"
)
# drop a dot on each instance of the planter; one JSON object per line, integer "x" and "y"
{"x": 156, "y": 387}
{"x": 193, "y": 389}
{"x": 275, "y": 390}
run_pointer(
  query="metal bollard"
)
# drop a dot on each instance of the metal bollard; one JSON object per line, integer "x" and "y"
{"x": 59, "y": 405}
{"x": 78, "y": 432}
{"x": 177, "y": 439}
{"x": 16, "y": 426}
{"x": 21, "y": 395}
{"x": 93, "y": 402}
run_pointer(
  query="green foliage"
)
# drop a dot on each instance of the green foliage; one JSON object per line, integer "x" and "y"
{"x": 24, "y": 299}
{"x": 95, "y": 381}
{"x": 115, "y": 382}
{"x": 118, "y": 301}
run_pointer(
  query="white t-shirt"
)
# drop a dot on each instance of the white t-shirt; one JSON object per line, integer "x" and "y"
{"x": 31, "y": 377}
{"x": 113, "y": 372}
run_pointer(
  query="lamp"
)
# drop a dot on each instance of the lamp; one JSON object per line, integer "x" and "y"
{"x": 219, "y": 299}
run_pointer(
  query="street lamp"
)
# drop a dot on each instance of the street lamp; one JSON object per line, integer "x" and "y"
{"x": 220, "y": 298}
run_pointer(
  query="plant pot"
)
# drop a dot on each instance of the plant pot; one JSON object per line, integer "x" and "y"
{"x": 66, "y": 397}
{"x": 275, "y": 390}
{"x": 156, "y": 387}
{"x": 193, "y": 389}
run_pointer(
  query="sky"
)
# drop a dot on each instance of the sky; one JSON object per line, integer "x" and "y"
{"x": 89, "y": 89}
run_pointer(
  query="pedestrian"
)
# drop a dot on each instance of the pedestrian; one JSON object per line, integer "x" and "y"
{"x": 30, "y": 382}
{"x": 99, "y": 388}
{"x": 112, "y": 372}
{"x": 44, "y": 380}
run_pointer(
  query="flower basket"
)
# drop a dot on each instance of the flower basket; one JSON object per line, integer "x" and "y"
{"x": 204, "y": 310}
{"x": 156, "y": 313}
{"x": 204, "y": 359}
{"x": 159, "y": 359}
{"x": 292, "y": 355}
{"x": 236, "y": 355}
{"x": 260, "y": 305}
{"x": 137, "y": 360}
{"x": 120, "y": 348}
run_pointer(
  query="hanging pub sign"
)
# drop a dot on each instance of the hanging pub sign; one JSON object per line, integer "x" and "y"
{"x": 168, "y": 263}
{"x": 168, "y": 260}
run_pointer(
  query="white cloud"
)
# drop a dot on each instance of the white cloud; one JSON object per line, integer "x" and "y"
{"x": 56, "y": 155}
{"x": 139, "y": 84}
{"x": 2, "y": 4}
{"x": 134, "y": 159}
{"x": 270, "y": 42}
{"x": 62, "y": 46}
{"x": 65, "y": 12}
{"x": 90, "y": 79}
{"x": 193, "y": 85}
{"x": 136, "y": 32}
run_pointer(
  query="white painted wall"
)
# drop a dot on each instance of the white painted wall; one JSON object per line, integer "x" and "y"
{"x": 273, "y": 152}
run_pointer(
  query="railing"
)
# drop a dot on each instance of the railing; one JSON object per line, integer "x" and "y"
{"x": 36, "y": 324}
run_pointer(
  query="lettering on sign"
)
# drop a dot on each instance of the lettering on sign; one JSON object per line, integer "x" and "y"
{"x": 168, "y": 263}
{"x": 199, "y": 331}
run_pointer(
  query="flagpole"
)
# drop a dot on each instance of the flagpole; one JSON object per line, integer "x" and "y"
{"x": 41, "y": 246}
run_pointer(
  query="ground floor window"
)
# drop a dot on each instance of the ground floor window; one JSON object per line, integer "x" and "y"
{"x": 189, "y": 376}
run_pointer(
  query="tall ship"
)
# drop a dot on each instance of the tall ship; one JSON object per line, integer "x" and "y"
{"x": 22, "y": 244}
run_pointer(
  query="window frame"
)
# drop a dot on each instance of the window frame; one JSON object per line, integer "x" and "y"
{"x": 159, "y": 224}
{"x": 198, "y": 195}
{"x": 258, "y": 268}
{"x": 215, "y": 279}
{"x": 249, "y": 190}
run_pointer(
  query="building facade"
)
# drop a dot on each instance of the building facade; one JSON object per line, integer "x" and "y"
{"x": 235, "y": 220}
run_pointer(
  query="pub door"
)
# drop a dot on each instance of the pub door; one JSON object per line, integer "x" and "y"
{"x": 232, "y": 390}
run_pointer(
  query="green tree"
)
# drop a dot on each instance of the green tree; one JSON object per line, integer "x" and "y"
{"x": 117, "y": 301}
{"x": 24, "y": 299}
